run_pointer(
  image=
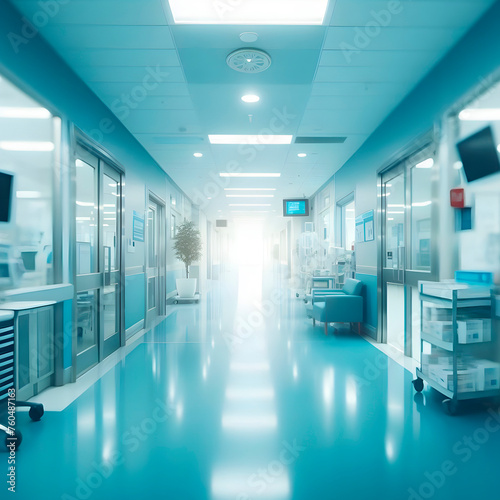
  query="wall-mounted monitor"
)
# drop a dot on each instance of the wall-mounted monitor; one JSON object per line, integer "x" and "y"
{"x": 296, "y": 208}
{"x": 479, "y": 155}
{"x": 6, "y": 193}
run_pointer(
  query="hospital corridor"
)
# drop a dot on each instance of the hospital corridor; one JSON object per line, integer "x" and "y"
{"x": 250, "y": 250}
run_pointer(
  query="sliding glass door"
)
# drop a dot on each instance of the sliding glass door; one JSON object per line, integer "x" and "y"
{"x": 98, "y": 259}
{"x": 407, "y": 234}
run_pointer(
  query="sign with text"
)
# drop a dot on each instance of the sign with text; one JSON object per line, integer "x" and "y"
{"x": 365, "y": 227}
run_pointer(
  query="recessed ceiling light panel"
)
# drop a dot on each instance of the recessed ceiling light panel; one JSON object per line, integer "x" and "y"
{"x": 283, "y": 12}
{"x": 250, "y": 98}
{"x": 249, "y": 61}
{"x": 263, "y": 140}
{"x": 198, "y": 155}
{"x": 480, "y": 115}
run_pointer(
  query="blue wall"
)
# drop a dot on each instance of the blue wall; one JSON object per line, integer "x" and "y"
{"x": 135, "y": 299}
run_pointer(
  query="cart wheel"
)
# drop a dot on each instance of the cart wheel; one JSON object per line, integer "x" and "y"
{"x": 297, "y": 295}
{"x": 36, "y": 412}
{"x": 16, "y": 438}
{"x": 418, "y": 384}
{"x": 451, "y": 406}
{"x": 176, "y": 301}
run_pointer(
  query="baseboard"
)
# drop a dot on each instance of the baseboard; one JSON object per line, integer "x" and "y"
{"x": 369, "y": 330}
{"x": 134, "y": 329}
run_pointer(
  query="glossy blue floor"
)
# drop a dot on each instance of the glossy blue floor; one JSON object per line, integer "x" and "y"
{"x": 239, "y": 398}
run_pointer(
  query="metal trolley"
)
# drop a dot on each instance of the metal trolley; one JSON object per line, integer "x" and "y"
{"x": 455, "y": 303}
{"x": 7, "y": 377}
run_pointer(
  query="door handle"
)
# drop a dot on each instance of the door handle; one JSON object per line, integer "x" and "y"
{"x": 401, "y": 261}
{"x": 107, "y": 269}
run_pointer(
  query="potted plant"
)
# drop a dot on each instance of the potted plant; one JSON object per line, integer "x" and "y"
{"x": 187, "y": 246}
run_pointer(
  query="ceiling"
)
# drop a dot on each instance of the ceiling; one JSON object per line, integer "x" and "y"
{"x": 315, "y": 87}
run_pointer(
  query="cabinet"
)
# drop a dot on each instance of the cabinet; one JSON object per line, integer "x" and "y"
{"x": 457, "y": 335}
{"x": 34, "y": 346}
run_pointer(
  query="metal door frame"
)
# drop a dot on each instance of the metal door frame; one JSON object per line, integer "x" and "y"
{"x": 406, "y": 277}
{"x": 162, "y": 258}
{"x": 82, "y": 144}
{"x": 108, "y": 346}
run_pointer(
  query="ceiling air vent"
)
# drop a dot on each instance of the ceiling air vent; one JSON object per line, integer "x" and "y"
{"x": 221, "y": 223}
{"x": 249, "y": 61}
{"x": 320, "y": 140}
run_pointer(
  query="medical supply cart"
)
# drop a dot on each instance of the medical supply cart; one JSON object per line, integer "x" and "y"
{"x": 457, "y": 323}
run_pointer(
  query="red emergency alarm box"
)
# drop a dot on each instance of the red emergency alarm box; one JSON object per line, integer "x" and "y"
{"x": 457, "y": 198}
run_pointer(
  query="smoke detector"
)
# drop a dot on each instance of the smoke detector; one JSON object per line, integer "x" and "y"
{"x": 249, "y": 60}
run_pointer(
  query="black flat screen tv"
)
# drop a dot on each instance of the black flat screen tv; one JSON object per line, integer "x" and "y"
{"x": 296, "y": 208}
{"x": 479, "y": 155}
{"x": 6, "y": 186}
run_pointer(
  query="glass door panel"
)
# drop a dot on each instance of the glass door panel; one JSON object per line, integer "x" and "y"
{"x": 396, "y": 316}
{"x": 98, "y": 259}
{"x": 111, "y": 253}
{"x": 153, "y": 240}
{"x": 87, "y": 306}
{"x": 406, "y": 248}
{"x": 86, "y": 217}
{"x": 87, "y": 260}
{"x": 421, "y": 213}
{"x": 394, "y": 198}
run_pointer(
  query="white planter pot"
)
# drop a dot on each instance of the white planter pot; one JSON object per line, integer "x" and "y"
{"x": 186, "y": 287}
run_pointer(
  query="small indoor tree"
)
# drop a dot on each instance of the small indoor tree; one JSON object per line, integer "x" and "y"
{"x": 187, "y": 244}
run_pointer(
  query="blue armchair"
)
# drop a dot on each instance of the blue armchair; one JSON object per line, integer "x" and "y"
{"x": 343, "y": 306}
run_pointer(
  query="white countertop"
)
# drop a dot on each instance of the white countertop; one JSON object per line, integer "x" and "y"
{"x": 23, "y": 306}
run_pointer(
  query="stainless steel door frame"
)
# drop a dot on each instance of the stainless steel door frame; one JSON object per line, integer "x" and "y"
{"x": 91, "y": 282}
{"x": 157, "y": 272}
{"x": 94, "y": 282}
{"x": 404, "y": 275}
{"x": 111, "y": 277}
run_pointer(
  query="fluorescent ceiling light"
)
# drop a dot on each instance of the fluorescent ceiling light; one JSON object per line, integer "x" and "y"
{"x": 263, "y": 139}
{"x": 422, "y": 204}
{"x": 301, "y": 155}
{"x": 249, "y": 204}
{"x": 395, "y": 213}
{"x": 28, "y": 194}
{"x": 429, "y": 163}
{"x": 226, "y": 174}
{"x": 83, "y": 218}
{"x": 36, "y": 113}
{"x": 250, "y": 98}
{"x": 27, "y": 145}
{"x": 249, "y": 211}
{"x": 84, "y": 204}
{"x": 249, "y": 189}
{"x": 249, "y": 195}
{"x": 480, "y": 115}
{"x": 198, "y": 155}
{"x": 395, "y": 206}
{"x": 282, "y": 12}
